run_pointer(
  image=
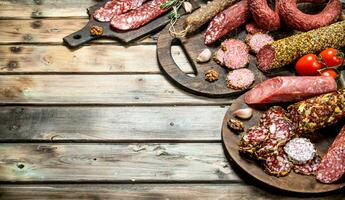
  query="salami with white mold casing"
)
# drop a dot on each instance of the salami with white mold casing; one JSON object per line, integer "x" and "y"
{"x": 138, "y": 17}
{"x": 227, "y": 21}
{"x": 298, "y": 20}
{"x": 285, "y": 51}
{"x": 289, "y": 89}
{"x": 116, "y": 7}
{"x": 317, "y": 112}
{"x": 332, "y": 167}
{"x": 264, "y": 16}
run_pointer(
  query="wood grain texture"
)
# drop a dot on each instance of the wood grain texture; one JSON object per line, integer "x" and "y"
{"x": 143, "y": 192}
{"x": 111, "y": 124}
{"x": 33, "y": 31}
{"x": 44, "y": 8}
{"x": 114, "y": 162}
{"x": 89, "y": 59}
{"x": 95, "y": 89}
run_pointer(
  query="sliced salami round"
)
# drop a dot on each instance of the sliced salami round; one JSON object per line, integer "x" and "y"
{"x": 258, "y": 40}
{"x": 240, "y": 79}
{"x": 278, "y": 165}
{"x": 300, "y": 150}
{"x": 236, "y": 54}
{"x": 332, "y": 166}
{"x": 218, "y": 56}
{"x": 272, "y": 114}
{"x": 254, "y": 136}
{"x": 308, "y": 168}
{"x": 267, "y": 149}
{"x": 281, "y": 130}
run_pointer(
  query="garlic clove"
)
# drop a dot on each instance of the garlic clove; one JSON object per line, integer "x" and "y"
{"x": 187, "y": 7}
{"x": 244, "y": 113}
{"x": 204, "y": 56}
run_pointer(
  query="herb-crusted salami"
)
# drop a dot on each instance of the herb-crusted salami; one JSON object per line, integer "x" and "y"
{"x": 318, "y": 112}
{"x": 138, "y": 17}
{"x": 285, "y": 51}
{"x": 332, "y": 166}
{"x": 278, "y": 165}
{"x": 227, "y": 21}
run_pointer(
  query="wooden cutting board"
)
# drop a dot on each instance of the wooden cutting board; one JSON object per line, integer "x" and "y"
{"x": 83, "y": 36}
{"x": 293, "y": 182}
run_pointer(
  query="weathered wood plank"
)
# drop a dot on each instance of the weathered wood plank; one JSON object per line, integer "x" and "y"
{"x": 89, "y": 59}
{"x": 111, "y": 124}
{"x": 144, "y": 192}
{"x": 114, "y": 162}
{"x": 96, "y": 89}
{"x": 46, "y": 31}
{"x": 44, "y": 8}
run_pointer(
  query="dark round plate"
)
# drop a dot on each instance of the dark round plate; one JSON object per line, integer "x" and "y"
{"x": 293, "y": 182}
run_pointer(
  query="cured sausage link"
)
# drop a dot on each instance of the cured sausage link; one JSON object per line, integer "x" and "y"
{"x": 227, "y": 21}
{"x": 264, "y": 16}
{"x": 139, "y": 17}
{"x": 318, "y": 112}
{"x": 282, "y": 52}
{"x": 204, "y": 14}
{"x": 116, "y": 7}
{"x": 332, "y": 166}
{"x": 298, "y": 20}
{"x": 289, "y": 89}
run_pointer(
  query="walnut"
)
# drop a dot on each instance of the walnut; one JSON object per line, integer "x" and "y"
{"x": 211, "y": 75}
{"x": 236, "y": 125}
{"x": 96, "y": 31}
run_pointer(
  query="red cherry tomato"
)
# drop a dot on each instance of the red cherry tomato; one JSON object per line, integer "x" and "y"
{"x": 331, "y": 57}
{"x": 308, "y": 65}
{"x": 329, "y": 72}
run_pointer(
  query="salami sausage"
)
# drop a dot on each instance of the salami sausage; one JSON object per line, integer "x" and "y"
{"x": 240, "y": 79}
{"x": 116, "y": 7}
{"x": 298, "y": 20}
{"x": 257, "y": 41}
{"x": 278, "y": 165}
{"x": 300, "y": 150}
{"x": 285, "y": 51}
{"x": 204, "y": 14}
{"x": 227, "y": 21}
{"x": 138, "y": 17}
{"x": 264, "y": 16}
{"x": 332, "y": 166}
{"x": 317, "y": 112}
{"x": 236, "y": 53}
{"x": 252, "y": 28}
{"x": 289, "y": 89}
{"x": 308, "y": 168}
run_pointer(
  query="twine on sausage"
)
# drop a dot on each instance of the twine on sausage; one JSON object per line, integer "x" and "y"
{"x": 172, "y": 29}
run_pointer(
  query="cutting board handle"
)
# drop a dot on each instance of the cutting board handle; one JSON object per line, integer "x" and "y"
{"x": 80, "y": 37}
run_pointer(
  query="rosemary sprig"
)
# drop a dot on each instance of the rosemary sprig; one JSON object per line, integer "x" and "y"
{"x": 175, "y": 5}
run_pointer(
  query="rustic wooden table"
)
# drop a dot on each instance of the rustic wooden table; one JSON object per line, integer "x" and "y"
{"x": 101, "y": 121}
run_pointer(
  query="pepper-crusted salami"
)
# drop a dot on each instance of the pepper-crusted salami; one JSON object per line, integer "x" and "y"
{"x": 204, "y": 14}
{"x": 318, "y": 112}
{"x": 298, "y": 20}
{"x": 227, "y": 21}
{"x": 138, "y": 17}
{"x": 282, "y": 52}
{"x": 332, "y": 166}
{"x": 116, "y": 7}
{"x": 264, "y": 16}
